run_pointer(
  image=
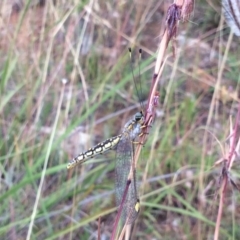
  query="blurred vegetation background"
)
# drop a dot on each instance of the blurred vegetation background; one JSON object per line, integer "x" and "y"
{"x": 66, "y": 84}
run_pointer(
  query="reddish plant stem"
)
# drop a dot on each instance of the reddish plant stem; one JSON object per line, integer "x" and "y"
{"x": 220, "y": 208}
{"x": 233, "y": 145}
{"x": 99, "y": 228}
{"x": 173, "y": 17}
{"x": 225, "y": 177}
{"x": 115, "y": 225}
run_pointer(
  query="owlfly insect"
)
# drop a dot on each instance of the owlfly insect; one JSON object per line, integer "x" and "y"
{"x": 125, "y": 166}
{"x": 125, "y": 171}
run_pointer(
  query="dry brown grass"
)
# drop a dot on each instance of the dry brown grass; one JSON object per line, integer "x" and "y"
{"x": 45, "y": 123}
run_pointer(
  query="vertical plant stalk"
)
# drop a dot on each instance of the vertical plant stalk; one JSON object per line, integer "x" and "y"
{"x": 173, "y": 16}
{"x": 230, "y": 159}
{"x": 220, "y": 209}
{"x": 117, "y": 219}
{"x": 231, "y": 11}
{"x": 99, "y": 228}
{"x": 210, "y": 116}
{"x": 35, "y": 207}
{"x": 179, "y": 10}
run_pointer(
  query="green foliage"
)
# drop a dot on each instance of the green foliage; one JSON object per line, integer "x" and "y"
{"x": 44, "y": 123}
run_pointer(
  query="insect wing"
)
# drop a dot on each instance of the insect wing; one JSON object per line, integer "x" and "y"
{"x": 125, "y": 164}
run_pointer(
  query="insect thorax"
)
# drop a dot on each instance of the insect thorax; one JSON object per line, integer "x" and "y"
{"x": 133, "y": 126}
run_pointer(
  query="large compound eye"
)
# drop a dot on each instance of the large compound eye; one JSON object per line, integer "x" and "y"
{"x": 138, "y": 116}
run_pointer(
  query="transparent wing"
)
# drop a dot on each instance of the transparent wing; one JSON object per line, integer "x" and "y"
{"x": 125, "y": 164}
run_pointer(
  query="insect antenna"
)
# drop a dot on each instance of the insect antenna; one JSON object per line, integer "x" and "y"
{"x": 138, "y": 90}
{"x": 139, "y": 76}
